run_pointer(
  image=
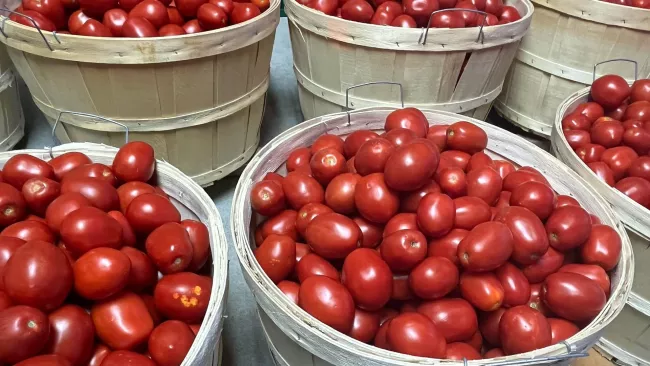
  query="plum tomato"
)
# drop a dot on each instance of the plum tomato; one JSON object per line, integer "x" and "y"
{"x": 592, "y": 271}
{"x": 67, "y": 162}
{"x": 87, "y": 228}
{"x": 434, "y": 278}
{"x": 483, "y": 290}
{"x": 515, "y": 285}
{"x": 610, "y": 91}
{"x": 528, "y": 232}
{"x": 333, "y": 236}
{"x": 368, "y": 279}
{"x": 170, "y": 342}
{"x": 466, "y": 137}
{"x": 22, "y": 167}
{"x": 183, "y": 296}
{"x": 61, "y": 207}
{"x": 409, "y": 118}
{"x": 603, "y": 247}
{"x": 568, "y": 227}
{"x": 487, "y": 247}
{"x": 135, "y": 160}
{"x": 267, "y": 197}
{"x": 314, "y": 265}
{"x": 100, "y": 273}
{"x": 100, "y": 193}
{"x": 372, "y": 156}
{"x": 13, "y": 206}
{"x": 291, "y": 290}
{"x": 573, "y": 296}
{"x": 277, "y": 256}
{"x": 454, "y": 317}
{"x": 435, "y": 215}
{"x": 120, "y": 358}
{"x": 72, "y": 334}
{"x": 170, "y": 248}
{"x": 301, "y": 189}
{"x": 25, "y": 331}
{"x": 374, "y": 200}
{"x": 328, "y": 301}
{"x": 409, "y": 167}
{"x": 404, "y": 249}
{"x": 523, "y": 329}
{"x": 38, "y": 193}
{"x": 414, "y": 334}
{"x": 148, "y": 211}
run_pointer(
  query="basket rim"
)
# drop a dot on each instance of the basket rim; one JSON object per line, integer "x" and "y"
{"x": 308, "y": 324}
{"x": 601, "y": 12}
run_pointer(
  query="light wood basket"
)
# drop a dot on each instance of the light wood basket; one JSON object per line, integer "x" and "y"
{"x": 12, "y": 119}
{"x": 557, "y": 56}
{"x": 197, "y": 99}
{"x": 636, "y": 219}
{"x": 193, "y": 203}
{"x": 331, "y": 55}
{"x": 321, "y": 345}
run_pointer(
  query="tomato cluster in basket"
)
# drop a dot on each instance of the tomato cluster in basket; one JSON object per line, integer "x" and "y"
{"x": 136, "y": 18}
{"x": 645, "y": 4}
{"x": 417, "y": 241}
{"x": 611, "y": 134}
{"x": 81, "y": 248}
{"x": 416, "y": 13}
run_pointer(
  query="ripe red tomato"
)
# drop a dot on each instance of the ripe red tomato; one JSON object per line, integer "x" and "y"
{"x": 619, "y": 159}
{"x": 169, "y": 343}
{"x": 72, "y": 334}
{"x": 38, "y": 193}
{"x": 328, "y": 7}
{"x": 561, "y": 329}
{"x": 38, "y": 274}
{"x": 455, "y": 318}
{"x": 25, "y": 332}
{"x": 576, "y": 121}
{"x": 136, "y": 159}
{"x": 51, "y": 9}
{"x": 100, "y": 273}
{"x": 447, "y": 246}
{"x": 509, "y": 14}
{"x": 409, "y": 167}
{"x": 401, "y": 221}
{"x": 404, "y": 249}
{"x": 470, "y": 211}
{"x": 143, "y": 274}
{"x": 149, "y": 210}
{"x": 638, "y": 189}
{"x": 363, "y": 270}
{"x": 573, "y": 296}
{"x": 568, "y": 227}
{"x": 298, "y": 158}
{"x": 63, "y": 205}
{"x": 45, "y": 360}
{"x": 189, "y": 8}
{"x": 607, "y": 133}
{"x": 41, "y": 21}
{"x": 438, "y": 134}
{"x": 420, "y": 10}
{"x": 100, "y": 194}
{"x": 415, "y": 334}
{"x": 183, "y": 296}
{"x": 515, "y": 285}
{"x": 373, "y": 155}
{"x": 88, "y": 228}
{"x": 374, "y": 200}
{"x": 120, "y": 358}
{"x": 170, "y": 30}
{"x": 640, "y": 168}
{"x": 301, "y": 189}
{"x": 283, "y": 223}
{"x": 243, "y": 12}
{"x": 549, "y": 263}
{"x": 435, "y": 214}
{"x": 466, "y": 137}
{"x": 489, "y": 326}
{"x": 13, "y": 207}
{"x": 200, "y": 239}
{"x": 480, "y": 160}
{"x": 328, "y": 301}
{"x": 128, "y": 4}
{"x": 462, "y": 351}
{"x": 94, "y": 28}
{"x": 529, "y": 234}
{"x": 169, "y": 247}
{"x": 640, "y": 90}
{"x": 638, "y": 138}
{"x": 404, "y": 21}
{"x": 610, "y": 91}
{"x": 29, "y": 230}
{"x": 99, "y": 354}
{"x": 175, "y": 17}
{"x": 535, "y": 196}
{"x": 602, "y": 248}
{"x": 591, "y": 271}
{"x": 409, "y": 118}
{"x": 603, "y": 171}
{"x": 523, "y": 329}
{"x": 97, "y": 8}
{"x": 411, "y": 200}
{"x": 484, "y": 183}
{"x": 434, "y": 278}
{"x": 486, "y": 247}
{"x": 75, "y": 22}
{"x": 483, "y": 290}
{"x": 326, "y": 164}
{"x": 313, "y": 265}
{"x": 339, "y": 194}
{"x": 192, "y": 27}
{"x": 492, "y": 6}
{"x": 138, "y": 28}
{"x": 591, "y": 110}
{"x": 333, "y": 236}
{"x": 92, "y": 170}
{"x": 291, "y": 290}
{"x": 448, "y": 19}
{"x": 365, "y": 325}
{"x": 357, "y": 11}
{"x": 22, "y": 167}
{"x": 638, "y": 110}
{"x": 590, "y": 153}
{"x": 211, "y": 16}
{"x": 128, "y": 191}
{"x": 371, "y": 233}
{"x": 327, "y": 140}
{"x": 267, "y": 198}
{"x": 134, "y": 326}
{"x": 277, "y": 256}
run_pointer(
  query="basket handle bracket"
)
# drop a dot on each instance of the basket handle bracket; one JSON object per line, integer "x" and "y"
{"x": 636, "y": 67}
{"x": 572, "y": 352}
{"x": 40, "y": 31}
{"x": 481, "y": 36}
{"x": 58, "y": 119}
{"x": 347, "y": 93}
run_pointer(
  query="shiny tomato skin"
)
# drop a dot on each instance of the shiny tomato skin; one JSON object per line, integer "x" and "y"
{"x": 483, "y": 290}
{"x": 114, "y": 20}
{"x": 170, "y": 248}
{"x": 277, "y": 256}
{"x": 489, "y": 326}
{"x": 375, "y": 201}
{"x": 535, "y": 196}
{"x": 573, "y": 296}
{"x": 148, "y": 211}
{"x": 453, "y": 182}
{"x": 610, "y": 91}
{"x": 479, "y": 160}
{"x": 314, "y": 265}
{"x": 200, "y": 239}
{"x": 638, "y": 110}
{"x": 433, "y": 278}
{"x": 547, "y": 264}
{"x": 514, "y": 179}
{"x": 461, "y": 351}
{"x": 38, "y": 274}
{"x": 327, "y": 140}
{"x": 504, "y": 168}
{"x": 307, "y": 213}
{"x": 420, "y": 10}
{"x": 301, "y": 189}
{"x": 333, "y": 236}
{"x": 486, "y": 247}
{"x": 92, "y": 170}
{"x": 183, "y": 296}
{"x": 120, "y": 358}
{"x": 45, "y": 360}
{"x": 100, "y": 273}
{"x": 156, "y": 13}
{"x": 128, "y": 236}
{"x": 371, "y": 233}
{"x": 327, "y": 163}
{"x": 75, "y": 22}
{"x": 438, "y": 134}
{"x": 72, "y": 334}
{"x": 357, "y": 10}
{"x": 607, "y": 133}
{"x": 97, "y": 8}
{"x": 414, "y": 334}
{"x": 283, "y": 223}
{"x": 128, "y": 4}
{"x": 372, "y": 156}
{"x": 568, "y": 227}
{"x": 51, "y": 9}
{"x": 170, "y": 342}
{"x": 243, "y": 12}
{"x": 603, "y": 247}
{"x": 99, "y": 354}
{"x": 22, "y": 167}
{"x": 619, "y": 159}
{"x": 404, "y": 249}
{"x": 530, "y": 237}
{"x": 8, "y": 246}
{"x": 41, "y": 21}
{"x": 515, "y": 285}
{"x": 175, "y": 17}
{"x": 267, "y": 197}
{"x": 138, "y": 28}
{"x": 143, "y": 274}
{"x": 409, "y": 118}
{"x": 494, "y": 353}
{"x": 591, "y": 271}
{"x": 638, "y": 138}
{"x": 38, "y": 193}
{"x": 25, "y": 331}
{"x": 135, "y": 160}
{"x": 603, "y": 171}
{"x": 399, "y": 136}
{"x": 410, "y": 201}
{"x": 575, "y": 121}
{"x": 61, "y": 207}
{"x": 381, "y": 340}
{"x": 401, "y": 221}
{"x": 467, "y": 137}
{"x": 192, "y": 27}
{"x": 129, "y": 191}
{"x": 447, "y": 246}
{"x": 290, "y": 289}
{"x": 299, "y": 157}
{"x": 328, "y": 301}
{"x": 328, "y": 7}
{"x": 353, "y": 142}
{"x": 189, "y": 8}
{"x": 368, "y": 279}
{"x": 365, "y": 325}
{"x": 470, "y": 212}
{"x": 590, "y": 153}
{"x": 401, "y": 290}
{"x": 29, "y": 230}
{"x": 13, "y": 206}
{"x": 564, "y": 200}
{"x": 100, "y": 194}
{"x": 577, "y": 138}
{"x": 88, "y": 228}
{"x": 455, "y": 318}
{"x": 63, "y": 164}
{"x": 94, "y": 28}
{"x": 561, "y": 329}
{"x": 409, "y": 167}
{"x": 436, "y": 214}
{"x": 523, "y": 329}
{"x": 640, "y": 90}
{"x": 638, "y": 189}
{"x": 591, "y": 110}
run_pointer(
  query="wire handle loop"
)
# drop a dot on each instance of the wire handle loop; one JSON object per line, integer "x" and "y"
{"x": 481, "y": 35}
{"x": 58, "y": 119}
{"x": 347, "y": 93}
{"x": 4, "y": 20}
{"x": 636, "y": 67}
{"x": 572, "y": 352}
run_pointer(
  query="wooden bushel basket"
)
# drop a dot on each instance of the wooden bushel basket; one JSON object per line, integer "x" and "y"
{"x": 193, "y": 203}
{"x": 198, "y": 99}
{"x": 631, "y": 331}
{"x": 309, "y": 342}
{"x": 454, "y": 70}
{"x": 12, "y": 119}
{"x": 556, "y": 57}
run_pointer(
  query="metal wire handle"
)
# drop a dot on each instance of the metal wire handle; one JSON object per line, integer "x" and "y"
{"x": 481, "y": 35}
{"x": 636, "y": 67}
{"x": 56, "y": 124}
{"x": 4, "y": 20}
{"x": 572, "y": 353}
{"x": 347, "y": 93}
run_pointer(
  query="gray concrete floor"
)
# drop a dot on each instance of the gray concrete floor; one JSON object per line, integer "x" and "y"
{"x": 244, "y": 342}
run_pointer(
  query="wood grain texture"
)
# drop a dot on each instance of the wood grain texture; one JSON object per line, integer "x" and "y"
{"x": 557, "y": 56}
{"x": 193, "y": 203}
{"x": 326, "y": 344}
{"x": 12, "y": 119}
{"x": 451, "y": 72}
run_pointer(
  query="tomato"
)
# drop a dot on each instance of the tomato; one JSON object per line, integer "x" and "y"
{"x": 13, "y": 207}
{"x": 470, "y": 211}
{"x": 420, "y": 10}
{"x": 486, "y": 247}
{"x": 72, "y": 334}
{"x": 402, "y": 221}
{"x": 496, "y": 352}
{"x": 462, "y": 351}
{"x": 607, "y": 133}
{"x": 143, "y": 274}
{"x": 371, "y": 233}
{"x": 409, "y": 167}
{"x": 549, "y": 263}
{"x": 561, "y": 329}
{"x": 200, "y": 239}
{"x": 263, "y": 5}
{"x": 637, "y": 138}
{"x": 326, "y": 164}
{"x": 466, "y": 137}
{"x": 438, "y": 134}
{"x": 447, "y": 246}
{"x": 211, "y": 16}
{"x": 306, "y": 214}
{"x": 120, "y": 358}
{"x": 41, "y": 21}
{"x": 128, "y": 236}
{"x": 353, "y": 142}
{"x": 590, "y": 153}
{"x": 328, "y": 301}
{"x": 568, "y": 227}
{"x": 97, "y": 8}
{"x": 411, "y": 200}
{"x": 63, "y": 205}
{"x": 45, "y": 360}
{"x": 603, "y": 247}
{"x": 448, "y": 19}
{"x": 357, "y": 11}
{"x": 29, "y": 230}
{"x": 75, "y": 22}
{"x": 51, "y": 9}
{"x": 301, "y": 189}
{"x": 374, "y": 200}
{"x": 192, "y": 27}
{"x": 70, "y": 4}
{"x": 638, "y": 110}
{"x": 331, "y": 141}
{"x": 591, "y": 271}
{"x": 100, "y": 194}
{"x": 100, "y": 273}
{"x": 577, "y": 138}
{"x": 515, "y": 285}
{"x": 521, "y": 176}
{"x": 435, "y": 214}
{"x": 299, "y": 157}
{"x": 313, "y": 265}
{"x": 88, "y": 228}
{"x": 243, "y": 12}
{"x": 373, "y": 155}
{"x": 484, "y": 183}
{"x": 8, "y": 246}
{"x": 409, "y": 118}
{"x": 326, "y": 6}
{"x": 134, "y": 325}
{"x": 128, "y": 4}
{"x": 290, "y": 289}
{"x": 170, "y": 342}
{"x": 591, "y": 110}
{"x": 136, "y": 159}
{"x": 138, "y": 28}
{"x": 38, "y": 192}
{"x": 573, "y": 296}
{"x": 365, "y": 325}
{"x": 414, "y": 334}
{"x": 403, "y": 250}
{"x": 128, "y": 191}
{"x": 170, "y": 248}
{"x": 489, "y": 326}
{"x": 523, "y": 329}
{"x": 640, "y": 90}
{"x": 333, "y": 236}
{"x": 183, "y": 296}
{"x": 22, "y": 167}
{"x": 640, "y": 168}
{"x": 576, "y": 121}
{"x": 339, "y": 194}
{"x": 638, "y": 189}
{"x": 92, "y": 170}
{"x": 283, "y": 223}
{"x": 610, "y": 91}
{"x": 539, "y": 198}
{"x": 267, "y": 197}
{"x": 175, "y": 17}
{"x": 404, "y": 21}
{"x": 483, "y": 290}
{"x": 94, "y": 28}
{"x": 277, "y": 256}
{"x": 381, "y": 340}
{"x": 617, "y": 113}
{"x": 619, "y": 159}
{"x": 189, "y": 8}
{"x": 149, "y": 210}
{"x": 509, "y": 14}
{"x": 25, "y": 331}
{"x": 603, "y": 171}
{"x": 632, "y": 123}
{"x": 433, "y": 278}
{"x": 99, "y": 354}
{"x": 493, "y": 6}
{"x": 453, "y": 182}
{"x": 368, "y": 278}
{"x": 455, "y": 318}
{"x": 480, "y": 160}
{"x": 38, "y": 274}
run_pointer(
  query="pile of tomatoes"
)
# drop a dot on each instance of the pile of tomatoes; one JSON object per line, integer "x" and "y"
{"x": 416, "y": 13}
{"x": 644, "y": 4}
{"x": 419, "y": 242}
{"x": 81, "y": 248}
{"x": 611, "y": 134}
{"x": 136, "y": 18}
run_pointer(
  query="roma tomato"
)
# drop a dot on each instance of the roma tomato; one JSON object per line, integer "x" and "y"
{"x": 483, "y": 290}
{"x": 13, "y": 207}
{"x": 404, "y": 249}
{"x": 564, "y": 200}
{"x": 138, "y": 28}
{"x": 41, "y": 21}
{"x": 38, "y": 275}
{"x": 414, "y": 334}
{"x": 462, "y": 351}
{"x": 114, "y": 20}
{"x": 640, "y": 90}
{"x": 435, "y": 214}
{"x": 471, "y": 211}
{"x": 267, "y": 197}
{"x": 301, "y": 189}
{"x": 135, "y": 161}
{"x": 283, "y": 223}
{"x": 61, "y": 207}
{"x": 306, "y": 214}
{"x": 568, "y": 227}
{"x": 328, "y": 301}
{"x": 333, "y": 236}
{"x": 480, "y": 160}
{"x": 489, "y": 326}
{"x": 365, "y": 325}
{"x": 120, "y": 358}
{"x": 561, "y": 329}
{"x": 523, "y": 329}
{"x": 514, "y": 179}
{"x": 638, "y": 189}
{"x": 573, "y": 296}
{"x": 371, "y": 233}
{"x": 548, "y": 263}
{"x": 92, "y": 170}
{"x": 72, "y": 334}
{"x": 409, "y": 118}
{"x": 420, "y": 11}
{"x": 94, "y": 28}
{"x": 638, "y": 110}
{"x": 45, "y": 360}
{"x": 610, "y": 91}
{"x": 200, "y": 239}
{"x": 447, "y": 246}
{"x": 134, "y": 325}
{"x": 277, "y": 257}
{"x": 466, "y": 137}
{"x": 409, "y": 167}
{"x": 438, "y": 134}
{"x": 69, "y": 161}
{"x": 591, "y": 110}
{"x": 290, "y": 289}
{"x": 148, "y": 211}
{"x": 448, "y": 19}
{"x": 38, "y": 193}
{"x": 298, "y": 158}
{"x": 353, "y": 142}
{"x": 175, "y": 17}
{"x": 375, "y": 201}
{"x": 339, "y": 194}
{"x": 529, "y": 234}
{"x": 211, "y": 16}
{"x": 577, "y": 138}
{"x": 143, "y": 274}
{"x": 357, "y": 11}
{"x": 88, "y": 228}
{"x": 243, "y": 12}
{"x": 171, "y": 30}
{"x": 607, "y": 133}
{"x": 368, "y": 278}
{"x": 591, "y": 271}
{"x": 99, "y": 354}
{"x": 189, "y": 8}
{"x": 638, "y": 138}
{"x": 619, "y": 160}
{"x": 314, "y": 265}
{"x": 515, "y": 285}
{"x": 535, "y": 196}
{"x": 433, "y": 278}
{"x": 603, "y": 247}
{"x": 327, "y": 140}
{"x": 455, "y": 318}
{"x": 169, "y": 247}
{"x": 453, "y": 182}
{"x": 128, "y": 236}
{"x": 590, "y": 153}
{"x": 136, "y": 158}
{"x": 410, "y": 201}
{"x": 29, "y": 230}
{"x": 402, "y": 221}
{"x": 486, "y": 247}
{"x": 373, "y": 155}
{"x": 22, "y": 167}
{"x": 100, "y": 194}
{"x": 169, "y": 343}
{"x": 25, "y": 331}
{"x": 603, "y": 171}
{"x": 183, "y": 296}
{"x": 326, "y": 164}
{"x": 128, "y": 4}
{"x": 328, "y": 7}
{"x": 97, "y": 8}
{"x": 8, "y": 246}
{"x": 51, "y": 9}
{"x": 100, "y": 273}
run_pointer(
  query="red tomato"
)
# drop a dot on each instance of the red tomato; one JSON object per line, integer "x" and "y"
{"x": 70, "y": 4}
{"x": 12, "y": 205}
{"x": 638, "y": 189}
{"x": 189, "y": 8}
{"x": 470, "y": 211}
{"x": 192, "y": 27}
{"x": 283, "y": 223}
{"x": 313, "y": 265}
{"x": 480, "y": 160}
{"x": 45, "y": 360}
{"x": 306, "y": 214}
{"x": 455, "y": 318}
{"x": 368, "y": 278}
{"x": 640, "y": 168}
{"x": 603, "y": 171}
{"x": 94, "y": 28}
{"x": 568, "y": 227}
{"x": 640, "y": 90}
{"x": 88, "y": 228}
{"x": 325, "y": 6}
{"x": 411, "y": 200}
{"x": 404, "y": 21}
{"x": 438, "y": 134}
{"x": 328, "y": 301}
{"x": 521, "y": 176}
{"x": 99, "y": 354}
{"x": 128, "y": 191}
{"x": 138, "y": 28}
{"x": 171, "y": 30}
{"x": 51, "y": 9}
{"x": 372, "y": 234}
{"x": 170, "y": 248}
{"x": 211, "y": 16}
{"x": 333, "y": 236}
{"x": 495, "y": 352}
{"x": 41, "y": 21}
{"x": 291, "y": 290}
{"x": 509, "y": 14}
{"x": 466, "y": 137}
{"x": 591, "y": 271}
{"x": 327, "y": 140}
{"x": 8, "y": 246}
{"x": 262, "y": 4}
{"x": 523, "y": 329}
{"x": 365, "y": 325}
{"x": 97, "y": 8}
{"x": 357, "y": 11}
{"x": 433, "y": 278}
{"x": 448, "y": 19}
{"x": 298, "y": 158}
{"x": 143, "y": 274}
{"x": 489, "y": 326}
{"x": 414, "y": 334}
{"x": 372, "y": 156}
{"x": 484, "y": 183}
{"x": 38, "y": 274}
{"x": 638, "y": 138}
{"x": 301, "y": 189}
{"x": 573, "y": 296}
{"x": 483, "y": 290}
{"x": 435, "y": 214}
{"x": 326, "y": 164}
{"x": 590, "y": 153}
{"x": 447, "y": 246}
{"x": 576, "y": 121}
{"x": 638, "y": 110}
{"x": 420, "y": 10}
{"x": 492, "y": 6}
{"x": 128, "y": 236}
{"x": 404, "y": 249}
{"x": 354, "y": 141}
{"x": 602, "y": 248}
{"x": 374, "y": 200}
{"x": 409, "y": 118}
{"x": 63, "y": 205}
{"x": 402, "y": 221}
{"x": 169, "y": 343}
{"x": 100, "y": 273}
{"x": 529, "y": 234}
{"x": 120, "y": 358}
{"x": 75, "y": 22}
{"x": 486, "y": 247}
{"x": 183, "y": 296}
{"x": 29, "y": 230}
{"x": 267, "y": 198}
{"x": 92, "y": 170}
{"x": 22, "y": 167}
{"x": 176, "y": 18}
{"x": 243, "y": 12}
{"x": 610, "y": 91}
{"x": 72, "y": 334}
{"x": 339, "y": 194}
{"x": 515, "y": 285}
{"x": 462, "y": 351}
{"x": 128, "y": 4}
{"x": 38, "y": 192}
{"x": 135, "y": 159}
{"x": 25, "y": 332}
{"x": 549, "y": 263}
{"x": 200, "y": 239}
{"x": 409, "y": 167}
{"x": 561, "y": 329}
{"x": 591, "y": 110}
{"x": 114, "y": 19}
{"x": 149, "y": 210}
{"x": 607, "y": 133}
{"x": 100, "y": 194}
{"x": 277, "y": 257}
{"x": 535, "y": 196}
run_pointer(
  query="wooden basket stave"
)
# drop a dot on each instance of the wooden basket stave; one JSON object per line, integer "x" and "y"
{"x": 429, "y": 72}
{"x": 193, "y": 203}
{"x": 12, "y": 119}
{"x": 209, "y": 87}
{"x": 333, "y": 347}
{"x": 557, "y": 56}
